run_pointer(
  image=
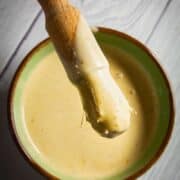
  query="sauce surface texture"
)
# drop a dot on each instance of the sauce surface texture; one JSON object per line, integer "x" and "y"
{"x": 57, "y": 125}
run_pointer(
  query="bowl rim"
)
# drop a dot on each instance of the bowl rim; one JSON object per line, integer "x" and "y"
{"x": 117, "y": 33}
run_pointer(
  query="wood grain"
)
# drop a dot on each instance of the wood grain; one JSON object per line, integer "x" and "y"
{"x": 61, "y": 24}
{"x": 138, "y": 18}
{"x": 15, "y": 20}
{"x": 165, "y": 42}
{"x": 135, "y": 17}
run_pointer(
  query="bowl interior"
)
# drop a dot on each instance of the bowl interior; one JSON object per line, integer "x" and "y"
{"x": 139, "y": 54}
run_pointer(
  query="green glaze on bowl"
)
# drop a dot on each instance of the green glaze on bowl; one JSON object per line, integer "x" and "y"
{"x": 143, "y": 56}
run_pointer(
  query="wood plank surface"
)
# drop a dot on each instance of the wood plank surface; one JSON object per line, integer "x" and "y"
{"x": 165, "y": 42}
{"x": 15, "y": 20}
{"x": 137, "y": 17}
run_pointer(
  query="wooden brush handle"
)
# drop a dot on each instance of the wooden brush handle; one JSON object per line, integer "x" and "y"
{"x": 109, "y": 110}
{"x": 61, "y": 23}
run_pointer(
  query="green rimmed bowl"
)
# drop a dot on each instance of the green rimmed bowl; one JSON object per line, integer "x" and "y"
{"x": 143, "y": 57}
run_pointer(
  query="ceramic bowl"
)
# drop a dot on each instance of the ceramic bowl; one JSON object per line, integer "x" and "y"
{"x": 143, "y": 57}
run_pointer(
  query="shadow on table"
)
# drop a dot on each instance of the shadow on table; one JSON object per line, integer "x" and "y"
{"x": 13, "y": 165}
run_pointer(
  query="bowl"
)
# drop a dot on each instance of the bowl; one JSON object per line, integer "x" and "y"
{"x": 142, "y": 56}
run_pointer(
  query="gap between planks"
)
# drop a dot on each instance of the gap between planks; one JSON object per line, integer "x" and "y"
{"x": 20, "y": 43}
{"x": 158, "y": 21}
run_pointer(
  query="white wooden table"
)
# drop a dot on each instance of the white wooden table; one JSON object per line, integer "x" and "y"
{"x": 154, "y": 22}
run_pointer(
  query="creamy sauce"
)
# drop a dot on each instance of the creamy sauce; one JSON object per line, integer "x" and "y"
{"x": 58, "y": 127}
{"x": 109, "y": 103}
